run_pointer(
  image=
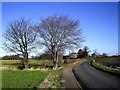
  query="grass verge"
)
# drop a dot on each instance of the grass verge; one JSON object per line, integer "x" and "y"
{"x": 53, "y": 81}
{"x": 104, "y": 68}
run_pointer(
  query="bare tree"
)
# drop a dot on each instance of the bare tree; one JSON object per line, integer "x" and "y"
{"x": 96, "y": 53}
{"x": 86, "y": 52}
{"x": 20, "y": 38}
{"x": 59, "y": 32}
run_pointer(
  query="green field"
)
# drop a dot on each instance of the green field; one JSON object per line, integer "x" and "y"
{"x": 22, "y": 79}
{"x": 30, "y": 79}
{"x": 31, "y": 62}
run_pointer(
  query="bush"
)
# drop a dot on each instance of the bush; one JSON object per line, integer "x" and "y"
{"x": 65, "y": 61}
{"x": 21, "y": 66}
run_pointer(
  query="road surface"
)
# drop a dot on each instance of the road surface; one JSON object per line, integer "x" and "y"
{"x": 92, "y": 78}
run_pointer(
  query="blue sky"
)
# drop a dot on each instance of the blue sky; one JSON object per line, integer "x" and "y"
{"x": 98, "y": 21}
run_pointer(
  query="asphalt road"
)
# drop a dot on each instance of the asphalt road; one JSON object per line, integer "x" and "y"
{"x": 93, "y": 78}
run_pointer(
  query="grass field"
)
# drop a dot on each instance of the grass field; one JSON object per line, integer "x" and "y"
{"x": 10, "y": 62}
{"x": 6, "y": 64}
{"x": 30, "y": 79}
{"x": 22, "y": 79}
{"x": 31, "y": 62}
{"x": 108, "y": 61}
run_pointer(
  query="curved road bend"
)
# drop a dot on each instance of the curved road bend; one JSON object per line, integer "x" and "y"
{"x": 93, "y": 78}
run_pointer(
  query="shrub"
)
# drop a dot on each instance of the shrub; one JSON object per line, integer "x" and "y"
{"x": 21, "y": 66}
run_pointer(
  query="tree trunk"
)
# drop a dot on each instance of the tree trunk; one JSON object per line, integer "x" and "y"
{"x": 23, "y": 63}
{"x": 55, "y": 57}
{"x": 56, "y": 61}
{"x": 26, "y": 60}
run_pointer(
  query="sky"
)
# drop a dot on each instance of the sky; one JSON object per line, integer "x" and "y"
{"x": 98, "y": 20}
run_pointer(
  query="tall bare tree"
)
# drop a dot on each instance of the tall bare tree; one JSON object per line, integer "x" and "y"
{"x": 86, "y": 51}
{"x": 59, "y": 32}
{"x": 20, "y": 38}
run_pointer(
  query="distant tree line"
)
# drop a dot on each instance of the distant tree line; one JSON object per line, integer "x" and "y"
{"x": 45, "y": 56}
{"x": 11, "y": 57}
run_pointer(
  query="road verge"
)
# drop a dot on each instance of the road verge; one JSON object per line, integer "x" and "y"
{"x": 104, "y": 68}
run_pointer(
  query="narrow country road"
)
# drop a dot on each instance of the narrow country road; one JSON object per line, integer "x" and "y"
{"x": 93, "y": 78}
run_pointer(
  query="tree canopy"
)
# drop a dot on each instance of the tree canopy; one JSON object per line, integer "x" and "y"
{"x": 59, "y": 32}
{"x": 20, "y": 38}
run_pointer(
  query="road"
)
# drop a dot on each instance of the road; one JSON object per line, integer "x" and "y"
{"x": 92, "y": 78}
